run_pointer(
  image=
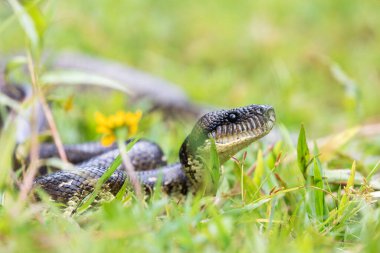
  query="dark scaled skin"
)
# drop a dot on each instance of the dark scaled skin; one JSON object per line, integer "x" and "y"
{"x": 232, "y": 131}
{"x": 145, "y": 155}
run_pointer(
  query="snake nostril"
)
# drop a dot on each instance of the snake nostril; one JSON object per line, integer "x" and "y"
{"x": 270, "y": 113}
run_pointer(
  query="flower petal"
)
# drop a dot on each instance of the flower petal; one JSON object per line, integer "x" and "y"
{"x": 103, "y": 130}
{"x": 100, "y": 119}
{"x": 108, "y": 140}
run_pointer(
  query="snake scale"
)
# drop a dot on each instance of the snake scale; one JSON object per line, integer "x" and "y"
{"x": 231, "y": 130}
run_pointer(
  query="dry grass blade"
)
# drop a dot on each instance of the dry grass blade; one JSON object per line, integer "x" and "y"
{"x": 333, "y": 143}
{"x": 130, "y": 168}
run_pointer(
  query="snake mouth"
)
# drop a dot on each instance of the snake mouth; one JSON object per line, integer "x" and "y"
{"x": 253, "y": 127}
{"x": 230, "y": 138}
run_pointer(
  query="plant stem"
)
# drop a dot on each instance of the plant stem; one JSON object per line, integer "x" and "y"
{"x": 129, "y": 168}
{"x": 31, "y": 172}
{"x": 53, "y": 127}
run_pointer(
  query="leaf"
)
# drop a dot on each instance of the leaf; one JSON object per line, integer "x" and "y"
{"x": 14, "y": 63}
{"x": 8, "y": 143}
{"x": 373, "y": 171}
{"x": 72, "y": 77}
{"x": 26, "y": 23}
{"x": 351, "y": 179}
{"x": 341, "y": 176}
{"x": 13, "y": 104}
{"x": 249, "y": 207}
{"x": 249, "y": 190}
{"x": 58, "y": 163}
{"x": 350, "y": 183}
{"x": 259, "y": 171}
{"x": 374, "y": 180}
{"x": 303, "y": 154}
{"x": 122, "y": 191}
{"x": 214, "y": 167}
{"x": 37, "y": 17}
{"x": 259, "y": 202}
{"x": 286, "y": 138}
{"x": 333, "y": 143}
{"x": 319, "y": 196}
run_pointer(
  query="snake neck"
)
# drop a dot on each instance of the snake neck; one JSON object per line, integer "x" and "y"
{"x": 193, "y": 161}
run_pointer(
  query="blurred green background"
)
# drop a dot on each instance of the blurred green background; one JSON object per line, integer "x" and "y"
{"x": 316, "y": 62}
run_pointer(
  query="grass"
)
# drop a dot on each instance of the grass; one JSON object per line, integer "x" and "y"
{"x": 316, "y": 63}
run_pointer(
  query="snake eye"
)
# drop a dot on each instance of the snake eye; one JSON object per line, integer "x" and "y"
{"x": 232, "y": 117}
{"x": 260, "y": 110}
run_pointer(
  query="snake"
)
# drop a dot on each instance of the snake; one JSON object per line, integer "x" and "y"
{"x": 225, "y": 131}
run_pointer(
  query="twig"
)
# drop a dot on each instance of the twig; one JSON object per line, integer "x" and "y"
{"x": 53, "y": 128}
{"x": 130, "y": 169}
{"x": 31, "y": 172}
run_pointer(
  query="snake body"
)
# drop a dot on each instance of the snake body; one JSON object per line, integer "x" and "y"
{"x": 230, "y": 130}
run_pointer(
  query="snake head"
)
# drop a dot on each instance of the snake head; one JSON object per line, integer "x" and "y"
{"x": 232, "y": 130}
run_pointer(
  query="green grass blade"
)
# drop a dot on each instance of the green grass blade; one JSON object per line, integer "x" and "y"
{"x": 122, "y": 191}
{"x": 72, "y": 77}
{"x": 8, "y": 143}
{"x": 345, "y": 198}
{"x": 26, "y": 22}
{"x": 259, "y": 171}
{"x": 213, "y": 169}
{"x": 90, "y": 199}
{"x": 11, "y": 103}
{"x": 114, "y": 166}
{"x": 319, "y": 195}
{"x": 303, "y": 154}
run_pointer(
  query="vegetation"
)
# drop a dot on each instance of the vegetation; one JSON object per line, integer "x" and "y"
{"x": 316, "y": 62}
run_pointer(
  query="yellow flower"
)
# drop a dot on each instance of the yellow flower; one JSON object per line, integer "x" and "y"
{"x": 108, "y": 126}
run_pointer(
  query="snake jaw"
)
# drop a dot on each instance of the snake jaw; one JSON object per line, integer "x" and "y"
{"x": 254, "y": 123}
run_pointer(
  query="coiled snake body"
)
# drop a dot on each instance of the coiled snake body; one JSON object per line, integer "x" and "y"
{"x": 231, "y": 130}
